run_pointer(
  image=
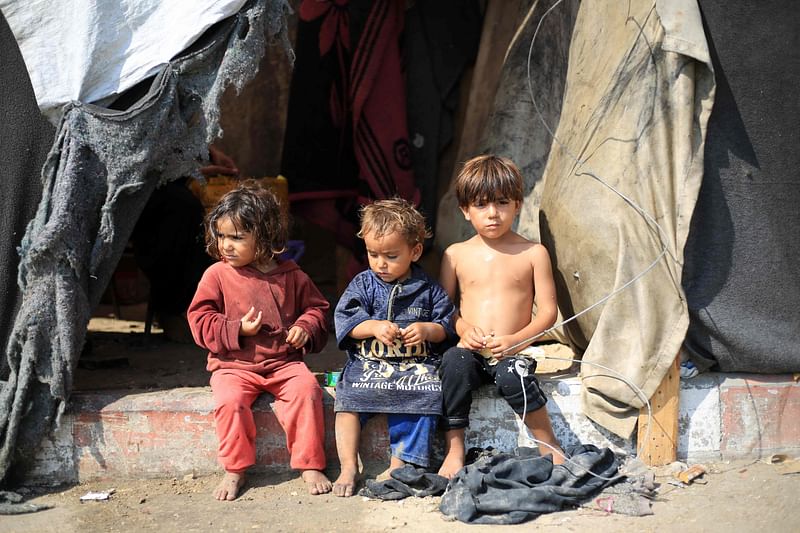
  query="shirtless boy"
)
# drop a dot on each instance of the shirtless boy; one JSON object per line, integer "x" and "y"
{"x": 495, "y": 277}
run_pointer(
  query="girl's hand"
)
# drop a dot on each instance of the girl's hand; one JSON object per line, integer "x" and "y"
{"x": 250, "y": 323}
{"x": 386, "y": 332}
{"x": 297, "y": 337}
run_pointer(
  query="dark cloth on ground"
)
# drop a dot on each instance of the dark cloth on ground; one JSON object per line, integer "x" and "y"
{"x": 406, "y": 481}
{"x": 513, "y": 488}
{"x": 464, "y": 371}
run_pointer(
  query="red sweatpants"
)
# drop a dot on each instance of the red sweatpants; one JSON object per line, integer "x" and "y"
{"x": 298, "y": 407}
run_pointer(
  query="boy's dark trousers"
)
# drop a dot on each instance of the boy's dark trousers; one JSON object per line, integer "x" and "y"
{"x": 463, "y": 371}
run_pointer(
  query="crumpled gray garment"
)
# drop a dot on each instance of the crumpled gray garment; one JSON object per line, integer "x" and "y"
{"x": 101, "y": 170}
{"x": 513, "y": 488}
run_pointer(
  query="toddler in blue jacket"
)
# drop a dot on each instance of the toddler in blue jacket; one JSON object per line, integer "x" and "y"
{"x": 394, "y": 322}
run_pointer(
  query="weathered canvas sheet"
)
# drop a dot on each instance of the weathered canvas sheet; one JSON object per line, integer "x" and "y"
{"x": 619, "y": 190}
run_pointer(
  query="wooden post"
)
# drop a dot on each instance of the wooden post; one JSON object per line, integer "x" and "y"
{"x": 661, "y": 445}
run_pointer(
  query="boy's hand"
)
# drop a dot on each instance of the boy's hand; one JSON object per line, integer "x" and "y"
{"x": 414, "y": 334}
{"x": 386, "y": 331}
{"x": 474, "y": 339}
{"x": 250, "y": 323}
{"x": 499, "y": 346}
{"x": 297, "y": 337}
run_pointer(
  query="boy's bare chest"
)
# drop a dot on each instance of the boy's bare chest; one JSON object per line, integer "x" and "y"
{"x": 496, "y": 276}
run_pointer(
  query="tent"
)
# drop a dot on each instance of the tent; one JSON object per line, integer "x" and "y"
{"x": 639, "y": 128}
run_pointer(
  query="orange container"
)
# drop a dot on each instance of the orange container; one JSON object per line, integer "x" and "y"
{"x": 216, "y": 187}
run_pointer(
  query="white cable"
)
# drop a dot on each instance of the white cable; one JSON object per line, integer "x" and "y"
{"x": 639, "y": 392}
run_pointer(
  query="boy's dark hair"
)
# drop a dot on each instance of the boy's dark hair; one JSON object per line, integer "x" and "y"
{"x": 394, "y": 214}
{"x": 488, "y": 178}
{"x": 254, "y": 209}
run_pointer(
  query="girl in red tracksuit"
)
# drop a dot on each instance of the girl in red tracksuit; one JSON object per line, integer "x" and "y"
{"x": 258, "y": 315}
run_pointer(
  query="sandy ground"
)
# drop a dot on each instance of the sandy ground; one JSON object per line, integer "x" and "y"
{"x": 739, "y": 496}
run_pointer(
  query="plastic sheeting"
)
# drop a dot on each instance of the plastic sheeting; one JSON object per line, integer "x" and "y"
{"x": 101, "y": 170}
{"x": 88, "y": 50}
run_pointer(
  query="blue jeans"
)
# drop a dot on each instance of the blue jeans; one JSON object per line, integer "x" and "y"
{"x": 410, "y": 436}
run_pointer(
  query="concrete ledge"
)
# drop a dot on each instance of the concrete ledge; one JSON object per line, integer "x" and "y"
{"x": 171, "y": 432}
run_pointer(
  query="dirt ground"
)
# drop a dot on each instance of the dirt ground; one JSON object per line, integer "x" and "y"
{"x": 736, "y": 496}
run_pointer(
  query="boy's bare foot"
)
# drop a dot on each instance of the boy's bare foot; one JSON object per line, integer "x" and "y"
{"x": 317, "y": 482}
{"x": 229, "y": 487}
{"x": 453, "y": 462}
{"x": 345, "y": 484}
{"x": 559, "y": 458}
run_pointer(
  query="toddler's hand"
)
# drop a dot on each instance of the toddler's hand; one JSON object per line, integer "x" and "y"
{"x": 414, "y": 334}
{"x": 386, "y": 332}
{"x": 250, "y": 323}
{"x": 297, "y": 337}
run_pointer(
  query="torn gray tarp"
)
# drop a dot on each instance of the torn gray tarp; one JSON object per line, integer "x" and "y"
{"x": 107, "y": 47}
{"x": 102, "y": 168}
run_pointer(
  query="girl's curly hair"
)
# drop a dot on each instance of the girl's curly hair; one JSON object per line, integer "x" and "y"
{"x": 254, "y": 209}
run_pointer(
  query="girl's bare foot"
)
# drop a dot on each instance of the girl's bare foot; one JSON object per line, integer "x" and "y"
{"x": 229, "y": 487}
{"x": 345, "y": 484}
{"x": 317, "y": 482}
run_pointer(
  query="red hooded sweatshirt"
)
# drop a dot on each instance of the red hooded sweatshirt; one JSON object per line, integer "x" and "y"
{"x": 286, "y": 297}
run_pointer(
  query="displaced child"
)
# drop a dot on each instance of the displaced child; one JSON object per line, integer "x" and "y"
{"x": 495, "y": 277}
{"x": 258, "y": 315}
{"x": 392, "y": 320}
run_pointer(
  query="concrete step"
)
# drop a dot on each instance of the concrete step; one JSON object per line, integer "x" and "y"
{"x": 168, "y": 433}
